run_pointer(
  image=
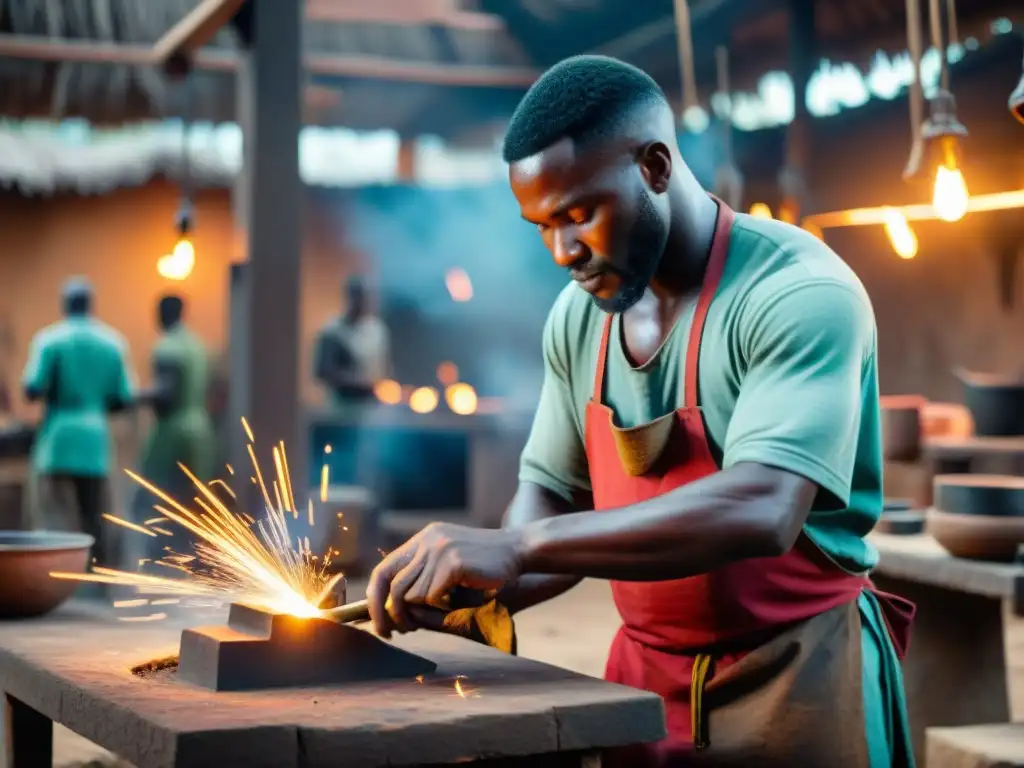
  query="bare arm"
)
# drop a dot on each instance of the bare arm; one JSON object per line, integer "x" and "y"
{"x": 165, "y": 394}
{"x": 531, "y": 504}
{"x": 747, "y": 511}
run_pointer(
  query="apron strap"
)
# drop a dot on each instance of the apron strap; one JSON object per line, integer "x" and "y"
{"x": 712, "y": 279}
{"x": 602, "y": 358}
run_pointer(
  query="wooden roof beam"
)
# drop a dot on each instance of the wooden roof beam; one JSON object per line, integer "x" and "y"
{"x": 194, "y": 31}
{"x": 443, "y": 13}
{"x": 321, "y": 65}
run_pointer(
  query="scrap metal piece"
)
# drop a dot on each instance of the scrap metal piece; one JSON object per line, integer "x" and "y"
{"x": 260, "y": 649}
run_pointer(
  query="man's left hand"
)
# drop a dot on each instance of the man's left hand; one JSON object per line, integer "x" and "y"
{"x": 428, "y": 566}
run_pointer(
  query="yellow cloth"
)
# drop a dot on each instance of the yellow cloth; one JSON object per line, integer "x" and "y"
{"x": 491, "y": 624}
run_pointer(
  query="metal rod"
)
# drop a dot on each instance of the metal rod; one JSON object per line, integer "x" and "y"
{"x": 935, "y": 20}
{"x": 954, "y": 37}
{"x": 914, "y": 45}
{"x": 722, "y": 64}
{"x": 684, "y": 39}
{"x": 357, "y": 611}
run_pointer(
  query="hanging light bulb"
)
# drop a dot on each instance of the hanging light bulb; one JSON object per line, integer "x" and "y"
{"x": 1017, "y": 99}
{"x": 760, "y": 211}
{"x": 902, "y": 237}
{"x": 178, "y": 264}
{"x": 949, "y": 195}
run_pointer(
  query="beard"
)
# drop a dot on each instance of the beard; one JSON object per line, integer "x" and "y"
{"x": 644, "y": 248}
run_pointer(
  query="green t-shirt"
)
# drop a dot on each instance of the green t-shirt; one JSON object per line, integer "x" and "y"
{"x": 80, "y": 364}
{"x": 787, "y": 378}
{"x": 182, "y": 349}
{"x": 185, "y": 434}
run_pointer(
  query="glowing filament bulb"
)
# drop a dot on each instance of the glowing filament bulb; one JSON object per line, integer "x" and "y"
{"x": 423, "y": 400}
{"x": 388, "y": 391}
{"x": 902, "y": 237}
{"x": 950, "y": 196}
{"x": 461, "y": 399}
{"x": 760, "y": 211}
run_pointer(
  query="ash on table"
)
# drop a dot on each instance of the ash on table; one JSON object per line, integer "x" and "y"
{"x": 157, "y": 668}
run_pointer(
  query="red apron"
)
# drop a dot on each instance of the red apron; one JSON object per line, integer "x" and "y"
{"x": 668, "y": 625}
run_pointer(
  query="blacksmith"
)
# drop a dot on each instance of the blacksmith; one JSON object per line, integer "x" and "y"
{"x": 707, "y": 439}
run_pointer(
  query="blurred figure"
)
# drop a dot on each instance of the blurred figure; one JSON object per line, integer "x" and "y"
{"x": 183, "y": 432}
{"x": 352, "y": 354}
{"x": 77, "y": 368}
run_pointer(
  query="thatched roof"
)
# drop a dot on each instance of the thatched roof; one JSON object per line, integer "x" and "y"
{"x": 43, "y": 160}
{"x": 106, "y": 92}
{"x": 414, "y": 78}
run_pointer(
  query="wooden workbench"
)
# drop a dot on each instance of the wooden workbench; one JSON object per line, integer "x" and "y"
{"x": 74, "y": 668}
{"x": 966, "y": 659}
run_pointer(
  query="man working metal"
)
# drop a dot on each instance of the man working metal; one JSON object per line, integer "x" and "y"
{"x": 78, "y": 369}
{"x": 182, "y": 432}
{"x": 707, "y": 439}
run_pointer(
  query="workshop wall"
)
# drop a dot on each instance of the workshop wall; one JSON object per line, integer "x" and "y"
{"x": 115, "y": 241}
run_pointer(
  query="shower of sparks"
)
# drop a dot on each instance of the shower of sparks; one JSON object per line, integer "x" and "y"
{"x": 236, "y": 557}
{"x": 130, "y": 526}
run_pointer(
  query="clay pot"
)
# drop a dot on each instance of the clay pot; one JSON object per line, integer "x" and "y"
{"x": 901, "y": 427}
{"x": 946, "y": 420}
{"x": 977, "y": 537}
{"x": 979, "y": 495}
{"x": 996, "y": 403}
{"x": 26, "y": 560}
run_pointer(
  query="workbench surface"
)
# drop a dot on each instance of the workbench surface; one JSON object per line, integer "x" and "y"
{"x": 74, "y": 667}
{"x": 921, "y": 559}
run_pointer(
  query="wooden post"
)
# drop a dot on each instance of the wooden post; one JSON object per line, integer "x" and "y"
{"x": 802, "y": 63}
{"x": 406, "y": 161}
{"x": 265, "y": 330}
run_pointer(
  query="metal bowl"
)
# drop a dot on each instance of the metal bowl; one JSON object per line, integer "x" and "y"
{"x": 26, "y": 560}
{"x": 996, "y": 403}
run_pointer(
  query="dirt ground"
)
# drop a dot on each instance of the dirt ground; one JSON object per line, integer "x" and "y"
{"x": 573, "y": 631}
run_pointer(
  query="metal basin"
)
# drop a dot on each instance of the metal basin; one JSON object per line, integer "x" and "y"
{"x": 996, "y": 403}
{"x": 26, "y": 560}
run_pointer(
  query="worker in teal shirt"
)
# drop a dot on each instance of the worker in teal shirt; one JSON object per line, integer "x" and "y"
{"x": 77, "y": 369}
{"x": 182, "y": 432}
{"x": 707, "y": 439}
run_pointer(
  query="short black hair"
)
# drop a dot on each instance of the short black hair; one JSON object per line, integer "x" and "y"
{"x": 355, "y": 284}
{"x": 171, "y": 307}
{"x": 582, "y": 98}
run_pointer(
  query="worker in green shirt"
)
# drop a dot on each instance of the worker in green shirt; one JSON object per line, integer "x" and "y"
{"x": 182, "y": 432}
{"x": 707, "y": 439}
{"x": 77, "y": 369}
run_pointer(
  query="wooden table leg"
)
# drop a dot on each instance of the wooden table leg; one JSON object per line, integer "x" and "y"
{"x": 1013, "y": 648}
{"x": 29, "y": 736}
